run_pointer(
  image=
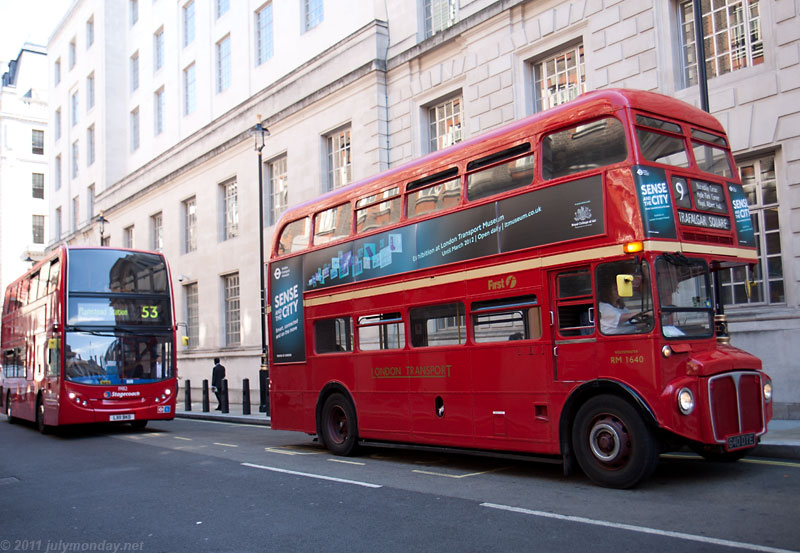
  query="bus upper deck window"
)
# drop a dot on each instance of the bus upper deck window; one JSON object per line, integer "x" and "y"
{"x": 378, "y": 210}
{"x": 294, "y": 237}
{"x": 434, "y": 198}
{"x": 499, "y": 178}
{"x": 712, "y": 159}
{"x": 662, "y": 148}
{"x": 583, "y": 147}
{"x": 332, "y": 224}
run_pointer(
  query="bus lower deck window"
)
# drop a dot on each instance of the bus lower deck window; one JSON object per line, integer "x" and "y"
{"x": 333, "y": 335}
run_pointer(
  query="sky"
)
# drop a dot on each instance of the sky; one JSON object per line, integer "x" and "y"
{"x": 24, "y": 21}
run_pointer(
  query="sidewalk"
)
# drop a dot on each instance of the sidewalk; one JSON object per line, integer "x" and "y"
{"x": 782, "y": 440}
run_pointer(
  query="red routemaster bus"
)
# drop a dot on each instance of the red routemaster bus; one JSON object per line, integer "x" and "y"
{"x": 543, "y": 288}
{"x": 88, "y": 336}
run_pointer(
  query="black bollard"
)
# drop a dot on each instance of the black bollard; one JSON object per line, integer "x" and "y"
{"x": 205, "y": 396}
{"x": 187, "y": 396}
{"x": 225, "y": 408}
{"x": 246, "y": 396}
{"x": 263, "y": 389}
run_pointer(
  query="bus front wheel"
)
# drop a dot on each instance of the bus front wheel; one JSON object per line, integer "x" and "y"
{"x": 338, "y": 425}
{"x": 612, "y": 443}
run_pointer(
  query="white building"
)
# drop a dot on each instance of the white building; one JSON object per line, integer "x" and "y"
{"x": 152, "y": 104}
{"x": 23, "y": 163}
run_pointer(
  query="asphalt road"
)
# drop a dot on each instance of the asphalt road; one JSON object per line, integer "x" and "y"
{"x": 190, "y": 485}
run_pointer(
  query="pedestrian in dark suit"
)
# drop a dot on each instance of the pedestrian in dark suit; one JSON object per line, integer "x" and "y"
{"x": 217, "y": 376}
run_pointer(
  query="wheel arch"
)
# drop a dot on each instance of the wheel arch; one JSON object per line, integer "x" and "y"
{"x": 581, "y": 395}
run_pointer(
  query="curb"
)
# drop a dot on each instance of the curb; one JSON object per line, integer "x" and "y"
{"x": 262, "y": 420}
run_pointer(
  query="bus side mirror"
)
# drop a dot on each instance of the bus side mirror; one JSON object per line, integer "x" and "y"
{"x": 625, "y": 286}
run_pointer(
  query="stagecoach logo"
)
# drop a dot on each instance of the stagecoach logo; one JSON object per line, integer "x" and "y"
{"x": 280, "y": 272}
{"x": 120, "y": 394}
{"x": 583, "y": 217}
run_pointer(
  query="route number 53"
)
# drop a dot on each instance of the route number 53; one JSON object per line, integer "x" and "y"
{"x": 149, "y": 312}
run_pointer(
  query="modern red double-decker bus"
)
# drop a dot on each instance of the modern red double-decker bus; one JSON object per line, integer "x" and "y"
{"x": 544, "y": 288}
{"x": 88, "y": 336}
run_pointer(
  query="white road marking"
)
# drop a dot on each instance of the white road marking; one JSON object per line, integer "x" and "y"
{"x": 640, "y": 529}
{"x": 317, "y": 476}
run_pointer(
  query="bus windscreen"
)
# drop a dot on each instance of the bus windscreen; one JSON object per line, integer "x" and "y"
{"x": 116, "y": 271}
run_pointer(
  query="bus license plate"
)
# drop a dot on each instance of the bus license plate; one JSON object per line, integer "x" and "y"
{"x": 115, "y": 418}
{"x": 741, "y": 441}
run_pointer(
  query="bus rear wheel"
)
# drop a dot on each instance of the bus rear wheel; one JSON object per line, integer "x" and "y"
{"x": 612, "y": 443}
{"x": 338, "y": 425}
{"x": 43, "y": 428}
{"x": 8, "y": 408}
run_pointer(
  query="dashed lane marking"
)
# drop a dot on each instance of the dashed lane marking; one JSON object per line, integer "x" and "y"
{"x": 316, "y": 476}
{"x": 347, "y": 462}
{"x": 640, "y": 529}
{"x": 225, "y": 445}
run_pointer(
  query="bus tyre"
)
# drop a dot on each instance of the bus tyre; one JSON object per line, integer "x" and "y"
{"x": 43, "y": 428}
{"x": 8, "y": 408}
{"x": 338, "y": 425}
{"x": 612, "y": 443}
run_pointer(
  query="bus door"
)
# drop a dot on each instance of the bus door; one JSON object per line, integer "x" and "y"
{"x": 572, "y": 316}
{"x": 52, "y": 361}
{"x": 510, "y": 369}
{"x": 440, "y": 372}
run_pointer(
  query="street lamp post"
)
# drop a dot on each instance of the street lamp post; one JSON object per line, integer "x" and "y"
{"x": 102, "y": 220}
{"x": 260, "y": 133}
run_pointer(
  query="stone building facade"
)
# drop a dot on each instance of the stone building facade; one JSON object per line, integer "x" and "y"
{"x": 350, "y": 88}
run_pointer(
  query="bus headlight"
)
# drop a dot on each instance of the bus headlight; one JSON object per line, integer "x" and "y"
{"x": 768, "y": 391}
{"x": 168, "y": 391}
{"x": 685, "y": 401}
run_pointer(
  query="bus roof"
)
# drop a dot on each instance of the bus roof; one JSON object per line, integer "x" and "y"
{"x": 587, "y": 105}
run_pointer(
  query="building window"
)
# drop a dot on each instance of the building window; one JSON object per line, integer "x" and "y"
{"x": 37, "y": 142}
{"x": 72, "y": 53}
{"x": 732, "y": 33}
{"x": 158, "y": 50}
{"x": 157, "y": 224}
{"x": 38, "y": 229}
{"x": 190, "y": 225}
{"x": 445, "y": 124}
{"x": 559, "y": 78}
{"x": 224, "y": 64}
{"x": 188, "y": 24}
{"x": 89, "y": 202}
{"x": 90, "y": 145}
{"x": 37, "y": 185}
{"x": 439, "y": 15}
{"x": 135, "y": 71}
{"x": 57, "y": 226}
{"x": 232, "y": 326}
{"x": 89, "y": 32}
{"x": 75, "y": 104}
{"x": 264, "y": 34}
{"x": 57, "y": 71}
{"x": 230, "y": 209}
{"x": 222, "y": 6}
{"x": 339, "y": 163}
{"x": 90, "y": 92}
{"x": 57, "y": 123}
{"x": 133, "y": 10}
{"x": 58, "y": 172}
{"x": 312, "y": 14}
{"x": 158, "y": 111}
{"x": 761, "y": 186}
{"x": 127, "y": 237}
{"x": 279, "y": 188}
{"x": 76, "y": 206}
{"x": 192, "y": 314}
{"x": 75, "y": 156}
{"x": 189, "y": 90}
{"x": 135, "y": 129}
